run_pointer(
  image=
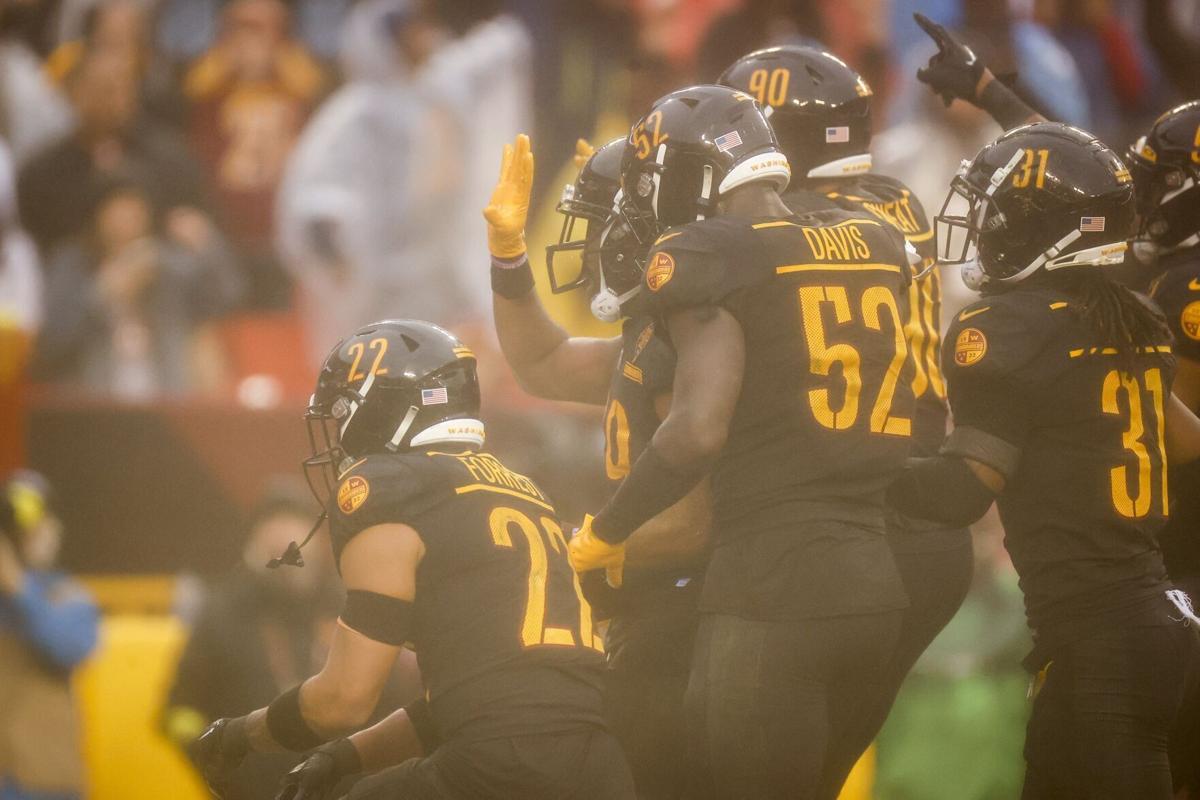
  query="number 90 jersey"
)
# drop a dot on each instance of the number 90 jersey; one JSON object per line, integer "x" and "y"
{"x": 503, "y": 637}
{"x": 824, "y": 419}
{"x": 1089, "y": 495}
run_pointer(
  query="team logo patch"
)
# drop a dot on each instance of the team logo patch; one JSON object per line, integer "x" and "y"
{"x": 1189, "y": 320}
{"x": 660, "y": 271}
{"x": 970, "y": 346}
{"x": 352, "y": 494}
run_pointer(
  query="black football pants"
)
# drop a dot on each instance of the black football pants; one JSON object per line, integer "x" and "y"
{"x": 643, "y": 695}
{"x": 586, "y": 764}
{"x": 937, "y": 583}
{"x": 766, "y": 699}
{"x": 1101, "y": 722}
{"x": 1185, "y": 738}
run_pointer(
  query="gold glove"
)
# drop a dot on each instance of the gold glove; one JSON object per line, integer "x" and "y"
{"x": 509, "y": 206}
{"x": 583, "y": 151}
{"x": 587, "y": 552}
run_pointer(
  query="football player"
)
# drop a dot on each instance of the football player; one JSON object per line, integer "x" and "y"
{"x": 821, "y": 111}
{"x": 443, "y": 547}
{"x": 653, "y": 612}
{"x": 1060, "y": 381}
{"x": 789, "y": 345}
{"x": 1165, "y": 164}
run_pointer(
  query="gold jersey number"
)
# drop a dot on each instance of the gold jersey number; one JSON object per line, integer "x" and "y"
{"x": 876, "y": 305}
{"x": 1136, "y": 504}
{"x": 534, "y": 630}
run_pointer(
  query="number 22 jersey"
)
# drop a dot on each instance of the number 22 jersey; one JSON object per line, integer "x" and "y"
{"x": 503, "y": 637}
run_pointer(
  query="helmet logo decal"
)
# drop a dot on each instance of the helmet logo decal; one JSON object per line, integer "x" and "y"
{"x": 1022, "y": 178}
{"x": 352, "y": 494}
{"x": 646, "y": 143}
{"x": 770, "y": 88}
{"x": 1091, "y": 224}
{"x": 727, "y": 141}
{"x": 837, "y": 135}
{"x": 434, "y": 397}
{"x": 969, "y": 347}
{"x": 661, "y": 268}
{"x": 1189, "y": 320}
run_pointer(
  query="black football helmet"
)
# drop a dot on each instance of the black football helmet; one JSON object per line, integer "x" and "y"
{"x": 819, "y": 107}
{"x": 695, "y": 145}
{"x": 607, "y": 259}
{"x": 1041, "y": 197}
{"x": 1166, "y": 176}
{"x": 387, "y": 388}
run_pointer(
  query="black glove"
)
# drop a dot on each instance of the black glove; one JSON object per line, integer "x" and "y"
{"x": 315, "y": 777}
{"x": 218, "y": 751}
{"x": 955, "y": 71}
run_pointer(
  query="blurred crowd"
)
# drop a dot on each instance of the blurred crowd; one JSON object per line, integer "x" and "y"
{"x": 199, "y": 197}
{"x": 183, "y": 182}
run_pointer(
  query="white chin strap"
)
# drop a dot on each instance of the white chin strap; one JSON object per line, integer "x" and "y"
{"x": 850, "y": 165}
{"x": 606, "y": 304}
{"x": 454, "y": 431}
{"x": 772, "y": 166}
{"x": 1050, "y": 260}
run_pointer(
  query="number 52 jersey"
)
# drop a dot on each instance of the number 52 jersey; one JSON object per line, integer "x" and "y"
{"x": 1082, "y": 512}
{"x": 503, "y": 637}
{"x": 824, "y": 419}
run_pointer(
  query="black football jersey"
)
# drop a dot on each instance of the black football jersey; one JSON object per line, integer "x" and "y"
{"x": 1177, "y": 293}
{"x": 824, "y": 419}
{"x": 888, "y": 199}
{"x": 1082, "y": 512}
{"x": 644, "y": 373}
{"x": 503, "y": 637}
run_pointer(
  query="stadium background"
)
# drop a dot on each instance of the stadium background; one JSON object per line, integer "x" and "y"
{"x": 156, "y": 468}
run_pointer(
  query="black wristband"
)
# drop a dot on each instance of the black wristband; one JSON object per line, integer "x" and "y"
{"x": 512, "y": 280}
{"x": 285, "y": 722}
{"x": 422, "y": 721}
{"x": 1004, "y": 106}
{"x": 651, "y": 487}
{"x": 346, "y": 758}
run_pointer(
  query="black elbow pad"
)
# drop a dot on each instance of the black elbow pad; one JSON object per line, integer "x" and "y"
{"x": 941, "y": 489}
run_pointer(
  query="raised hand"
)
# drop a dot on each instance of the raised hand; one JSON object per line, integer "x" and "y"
{"x": 955, "y": 70}
{"x": 509, "y": 207}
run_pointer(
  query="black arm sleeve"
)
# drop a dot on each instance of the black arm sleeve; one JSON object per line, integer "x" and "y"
{"x": 942, "y": 489}
{"x": 1004, "y": 106}
{"x": 651, "y": 487}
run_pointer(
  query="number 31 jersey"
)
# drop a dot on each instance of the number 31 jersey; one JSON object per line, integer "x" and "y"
{"x": 1082, "y": 512}
{"x": 503, "y": 637}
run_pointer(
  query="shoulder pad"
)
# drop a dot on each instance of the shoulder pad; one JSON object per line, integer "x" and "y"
{"x": 890, "y": 200}
{"x": 381, "y": 489}
{"x": 1177, "y": 295}
{"x": 997, "y": 335}
{"x": 686, "y": 266}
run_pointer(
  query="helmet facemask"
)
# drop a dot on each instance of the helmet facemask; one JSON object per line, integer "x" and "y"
{"x": 570, "y": 255}
{"x": 1168, "y": 202}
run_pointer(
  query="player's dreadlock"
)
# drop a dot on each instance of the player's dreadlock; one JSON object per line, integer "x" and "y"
{"x": 1119, "y": 318}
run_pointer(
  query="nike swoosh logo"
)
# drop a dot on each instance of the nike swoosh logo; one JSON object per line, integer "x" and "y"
{"x": 966, "y": 315}
{"x": 1194, "y": 285}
